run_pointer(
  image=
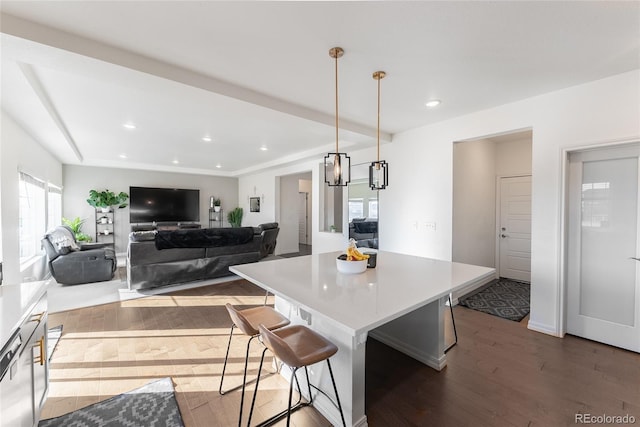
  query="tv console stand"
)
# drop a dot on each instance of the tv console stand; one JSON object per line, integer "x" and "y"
{"x": 165, "y": 226}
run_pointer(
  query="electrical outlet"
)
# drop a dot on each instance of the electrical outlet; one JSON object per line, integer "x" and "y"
{"x": 305, "y": 315}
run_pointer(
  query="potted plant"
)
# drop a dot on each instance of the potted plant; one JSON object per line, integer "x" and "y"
{"x": 105, "y": 199}
{"x": 76, "y": 226}
{"x": 216, "y": 204}
{"x": 235, "y": 217}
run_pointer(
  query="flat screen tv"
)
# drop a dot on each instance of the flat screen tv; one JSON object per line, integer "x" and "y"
{"x": 163, "y": 205}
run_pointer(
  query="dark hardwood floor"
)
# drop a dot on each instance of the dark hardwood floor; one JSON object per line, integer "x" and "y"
{"x": 499, "y": 373}
{"x": 502, "y": 374}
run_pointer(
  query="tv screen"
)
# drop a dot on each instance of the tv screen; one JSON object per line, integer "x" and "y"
{"x": 163, "y": 205}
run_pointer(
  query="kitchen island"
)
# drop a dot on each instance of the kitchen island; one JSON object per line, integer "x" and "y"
{"x": 401, "y": 302}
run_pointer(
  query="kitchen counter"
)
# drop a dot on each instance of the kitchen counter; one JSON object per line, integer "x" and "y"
{"x": 16, "y": 302}
{"x": 401, "y": 303}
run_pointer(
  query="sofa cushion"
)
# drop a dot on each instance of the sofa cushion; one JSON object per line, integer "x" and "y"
{"x": 203, "y": 238}
{"x": 268, "y": 225}
{"x": 63, "y": 240}
{"x": 142, "y": 253}
{"x": 366, "y": 227}
{"x": 252, "y": 246}
{"x": 142, "y": 236}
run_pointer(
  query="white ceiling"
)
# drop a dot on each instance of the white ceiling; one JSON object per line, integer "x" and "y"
{"x": 253, "y": 74}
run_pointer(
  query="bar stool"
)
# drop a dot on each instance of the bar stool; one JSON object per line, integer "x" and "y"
{"x": 247, "y": 321}
{"x": 298, "y": 347}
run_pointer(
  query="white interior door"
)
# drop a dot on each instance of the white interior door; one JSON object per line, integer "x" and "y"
{"x": 603, "y": 293}
{"x": 303, "y": 218}
{"x": 515, "y": 228}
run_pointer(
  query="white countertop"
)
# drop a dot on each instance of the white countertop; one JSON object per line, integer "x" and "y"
{"x": 361, "y": 302}
{"x": 16, "y": 301}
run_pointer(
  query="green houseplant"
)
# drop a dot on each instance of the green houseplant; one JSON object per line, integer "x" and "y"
{"x": 216, "y": 204}
{"x": 235, "y": 217}
{"x": 105, "y": 199}
{"x": 76, "y": 226}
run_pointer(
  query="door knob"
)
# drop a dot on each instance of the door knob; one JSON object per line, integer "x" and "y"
{"x": 504, "y": 235}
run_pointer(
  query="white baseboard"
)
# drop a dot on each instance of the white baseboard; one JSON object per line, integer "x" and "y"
{"x": 470, "y": 288}
{"x": 437, "y": 363}
{"x": 545, "y": 329}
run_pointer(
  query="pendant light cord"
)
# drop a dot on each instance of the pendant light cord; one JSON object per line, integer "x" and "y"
{"x": 336, "y": 103}
{"x": 378, "y": 120}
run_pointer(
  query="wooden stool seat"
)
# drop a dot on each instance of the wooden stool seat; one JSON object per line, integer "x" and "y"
{"x": 298, "y": 347}
{"x": 249, "y": 319}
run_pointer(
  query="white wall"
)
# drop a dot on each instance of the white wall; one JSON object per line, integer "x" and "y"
{"x": 476, "y": 165}
{"x": 474, "y": 202}
{"x": 592, "y": 113}
{"x": 513, "y": 157}
{"x": 78, "y": 180}
{"x": 288, "y": 237}
{"x": 269, "y": 183}
{"x": 20, "y": 152}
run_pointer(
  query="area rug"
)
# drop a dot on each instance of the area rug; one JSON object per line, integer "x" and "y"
{"x": 504, "y": 298}
{"x": 53, "y": 336}
{"x": 152, "y": 405}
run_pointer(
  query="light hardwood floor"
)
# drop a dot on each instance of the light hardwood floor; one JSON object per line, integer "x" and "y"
{"x": 498, "y": 374}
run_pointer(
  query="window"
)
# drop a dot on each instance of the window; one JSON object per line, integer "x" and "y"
{"x": 373, "y": 208}
{"x": 356, "y": 209}
{"x": 54, "y": 206}
{"x": 31, "y": 226}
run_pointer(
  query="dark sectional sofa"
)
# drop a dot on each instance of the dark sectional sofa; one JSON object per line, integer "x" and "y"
{"x": 365, "y": 232}
{"x": 161, "y": 258}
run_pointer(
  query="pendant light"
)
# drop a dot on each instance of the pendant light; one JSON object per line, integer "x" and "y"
{"x": 378, "y": 170}
{"x": 339, "y": 162}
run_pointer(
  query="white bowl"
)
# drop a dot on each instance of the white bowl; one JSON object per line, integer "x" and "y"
{"x": 351, "y": 267}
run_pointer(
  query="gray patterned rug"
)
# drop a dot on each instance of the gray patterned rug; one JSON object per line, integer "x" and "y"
{"x": 504, "y": 298}
{"x": 152, "y": 405}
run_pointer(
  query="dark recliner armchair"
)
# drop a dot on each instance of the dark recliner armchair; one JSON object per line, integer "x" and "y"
{"x": 73, "y": 264}
{"x": 269, "y": 232}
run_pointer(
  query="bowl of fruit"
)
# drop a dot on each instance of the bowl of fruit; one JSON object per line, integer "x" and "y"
{"x": 353, "y": 261}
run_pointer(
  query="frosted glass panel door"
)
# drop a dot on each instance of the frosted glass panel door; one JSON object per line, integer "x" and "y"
{"x": 603, "y": 292}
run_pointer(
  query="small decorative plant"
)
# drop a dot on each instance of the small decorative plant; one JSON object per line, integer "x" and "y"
{"x": 76, "y": 226}
{"x": 105, "y": 199}
{"x": 235, "y": 217}
{"x": 216, "y": 204}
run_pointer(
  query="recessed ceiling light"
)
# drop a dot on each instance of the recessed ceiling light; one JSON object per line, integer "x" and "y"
{"x": 123, "y": 156}
{"x": 263, "y": 148}
{"x": 206, "y": 138}
{"x": 433, "y": 103}
{"x": 175, "y": 162}
{"x": 218, "y": 165}
{"x": 129, "y": 125}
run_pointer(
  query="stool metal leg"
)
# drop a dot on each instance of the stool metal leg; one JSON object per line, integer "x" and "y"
{"x": 335, "y": 389}
{"x": 453, "y": 321}
{"x": 244, "y": 379}
{"x": 255, "y": 392}
{"x": 226, "y": 357}
{"x": 299, "y": 404}
{"x": 293, "y": 375}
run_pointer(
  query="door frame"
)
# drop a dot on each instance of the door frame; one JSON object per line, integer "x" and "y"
{"x": 498, "y": 217}
{"x": 563, "y": 235}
